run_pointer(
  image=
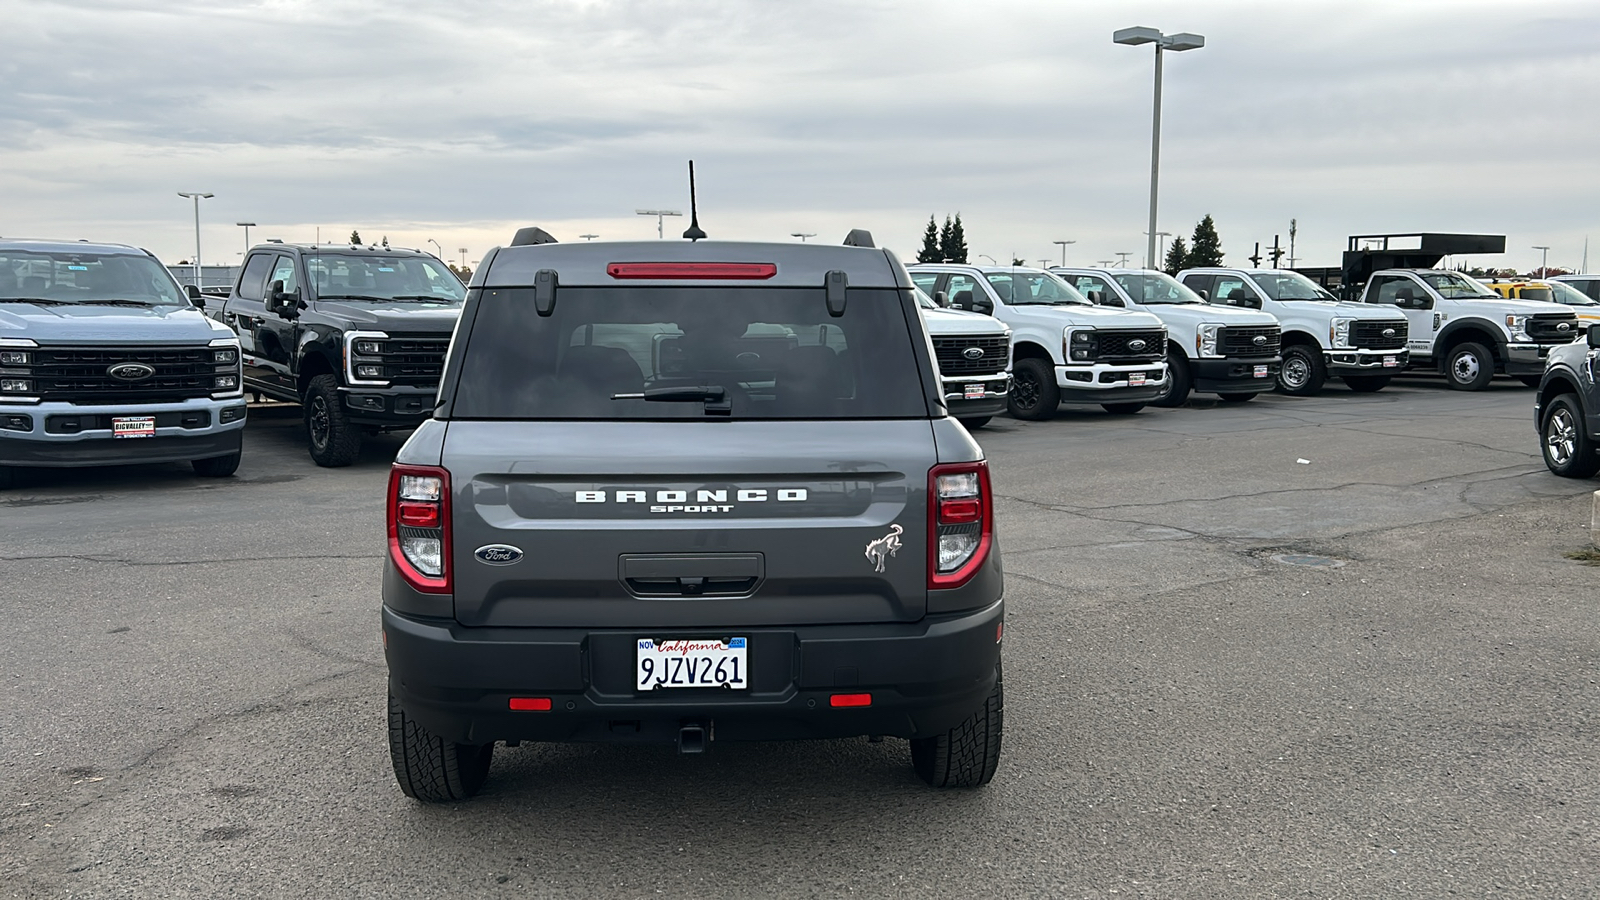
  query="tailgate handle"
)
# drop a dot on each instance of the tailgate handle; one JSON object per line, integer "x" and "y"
{"x": 691, "y": 575}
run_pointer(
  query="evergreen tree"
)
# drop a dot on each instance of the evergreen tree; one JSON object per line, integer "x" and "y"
{"x": 956, "y": 250}
{"x": 1205, "y": 248}
{"x": 355, "y": 238}
{"x": 1177, "y": 256}
{"x": 386, "y": 242}
{"x": 944, "y": 240}
{"x": 930, "y": 244}
{"x": 1018, "y": 262}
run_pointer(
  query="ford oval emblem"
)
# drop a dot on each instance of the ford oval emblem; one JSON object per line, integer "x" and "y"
{"x": 1564, "y": 326}
{"x": 973, "y": 353}
{"x": 1259, "y": 340}
{"x": 130, "y": 371}
{"x": 1388, "y": 332}
{"x": 497, "y": 554}
{"x": 1136, "y": 344}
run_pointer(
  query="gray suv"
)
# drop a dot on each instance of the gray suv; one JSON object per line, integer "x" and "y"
{"x": 685, "y": 493}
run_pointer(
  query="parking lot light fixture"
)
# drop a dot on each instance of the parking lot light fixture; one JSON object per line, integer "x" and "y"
{"x": 196, "y": 196}
{"x": 1176, "y": 42}
{"x": 437, "y": 247}
{"x": 246, "y": 226}
{"x": 1544, "y": 260}
{"x": 660, "y": 215}
{"x": 1063, "y": 246}
{"x": 588, "y": 237}
{"x": 802, "y": 235}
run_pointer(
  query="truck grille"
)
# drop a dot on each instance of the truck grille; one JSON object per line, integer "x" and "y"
{"x": 1118, "y": 345}
{"x": 416, "y": 359}
{"x": 1242, "y": 341}
{"x": 1545, "y": 328}
{"x": 1374, "y": 336}
{"x": 79, "y": 374}
{"x": 954, "y": 359}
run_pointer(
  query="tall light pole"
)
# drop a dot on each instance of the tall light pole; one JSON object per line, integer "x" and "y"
{"x": 991, "y": 259}
{"x": 1161, "y": 244}
{"x": 1175, "y": 42}
{"x": 1063, "y": 246}
{"x": 1124, "y": 254}
{"x": 196, "y": 196}
{"x": 1544, "y": 260}
{"x": 802, "y": 235}
{"x": 588, "y": 237}
{"x": 660, "y": 215}
{"x": 246, "y": 226}
{"x": 463, "y": 252}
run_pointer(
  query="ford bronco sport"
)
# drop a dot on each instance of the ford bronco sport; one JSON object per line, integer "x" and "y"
{"x": 690, "y": 492}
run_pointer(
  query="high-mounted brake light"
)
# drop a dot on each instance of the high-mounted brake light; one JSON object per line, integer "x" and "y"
{"x": 693, "y": 271}
{"x": 960, "y": 523}
{"x": 419, "y": 526}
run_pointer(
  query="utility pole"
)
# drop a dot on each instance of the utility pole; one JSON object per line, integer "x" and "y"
{"x": 1255, "y": 261}
{"x": 1063, "y": 246}
{"x": 1293, "y": 226}
{"x": 1277, "y": 252}
{"x": 197, "y": 197}
{"x": 660, "y": 215}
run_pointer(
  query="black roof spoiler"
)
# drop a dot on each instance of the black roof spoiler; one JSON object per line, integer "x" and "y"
{"x": 859, "y": 237}
{"x": 531, "y": 235}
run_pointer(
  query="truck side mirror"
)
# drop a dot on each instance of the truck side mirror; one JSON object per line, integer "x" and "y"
{"x": 285, "y": 304}
{"x": 982, "y": 305}
{"x": 1205, "y": 294}
{"x": 940, "y": 298}
{"x": 1095, "y": 297}
{"x": 194, "y": 295}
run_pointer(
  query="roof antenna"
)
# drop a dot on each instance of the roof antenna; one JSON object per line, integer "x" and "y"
{"x": 693, "y": 232}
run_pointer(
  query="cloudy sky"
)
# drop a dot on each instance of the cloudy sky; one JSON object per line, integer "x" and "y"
{"x": 460, "y": 121}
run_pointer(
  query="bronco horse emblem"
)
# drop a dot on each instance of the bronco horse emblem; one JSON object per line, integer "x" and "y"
{"x": 879, "y": 551}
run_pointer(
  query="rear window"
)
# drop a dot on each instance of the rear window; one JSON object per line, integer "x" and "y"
{"x": 769, "y": 353}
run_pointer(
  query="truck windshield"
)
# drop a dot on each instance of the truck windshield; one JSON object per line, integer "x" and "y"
{"x": 383, "y": 278}
{"x": 1561, "y": 292}
{"x": 1281, "y": 285}
{"x": 1155, "y": 288}
{"x": 1452, "y": 286}
{"x": 740, "y": 352}
{"x": 87, "y": 278}
{"x": 1034, "y": 288}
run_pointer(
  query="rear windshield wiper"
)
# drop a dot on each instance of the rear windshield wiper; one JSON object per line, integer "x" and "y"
{"x": 715, "y": 397}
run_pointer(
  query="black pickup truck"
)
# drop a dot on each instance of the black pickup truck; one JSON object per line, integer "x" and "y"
{"x": 356, "y": 335}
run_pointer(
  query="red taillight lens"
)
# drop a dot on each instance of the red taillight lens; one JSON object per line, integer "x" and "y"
{"x": 850, "y": 700}
{"x": 960, "y": 523}
{"x": 530, "y": 704}
{"x": 693, "y": 271}
{"x": 419, "y": 526}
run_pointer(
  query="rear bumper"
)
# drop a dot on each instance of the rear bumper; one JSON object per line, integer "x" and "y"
{"x": 70, "y": 434}
{"x": 924, "y": 678}
{"x": 1234, "y": 375}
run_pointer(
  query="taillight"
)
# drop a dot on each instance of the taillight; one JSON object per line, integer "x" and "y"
{"x": 419, "y": 526}
{"x": 960, "y": 522}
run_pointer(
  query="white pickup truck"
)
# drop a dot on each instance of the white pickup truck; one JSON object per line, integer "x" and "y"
{"x": 1064, "y": 349}
{"x": 1322, "y": 336}
{"x": 973, "y": 353}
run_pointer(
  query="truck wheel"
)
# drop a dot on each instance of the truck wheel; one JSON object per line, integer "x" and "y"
{"x": 1568, "y": 451}
{"x": 216, "y": 466}
{"x": 430, "y": 768}
{"x": 1530, "y": 380}
{"x": 975, "y": 422}
{"x": 1178, "y": 382}
{"x": 1469, "y": 367}
{"x": 1366, "y": 384}
{"x": 1034, "y": 394}
{"x": 1122, "y": 409}
{"x": 335, "y": 440}
{"x": 1237, "y": 398}
{"x": 967, "y": 755}
{"x": 1303, "y": 371}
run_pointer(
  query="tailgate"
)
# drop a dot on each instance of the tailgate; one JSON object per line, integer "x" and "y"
{"x": 666, "y": 524}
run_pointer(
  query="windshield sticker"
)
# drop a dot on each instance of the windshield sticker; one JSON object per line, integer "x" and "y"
{"x": 78, "y": 268}
{"x": 386, "y": 268}
{"x": 879, "y": 551}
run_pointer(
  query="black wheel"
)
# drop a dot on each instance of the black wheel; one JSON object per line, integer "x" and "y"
{"x": 430, "y": 768}
{"x": 1122, "y": 409}
{"x": 1366, "y": 384}
{"x": 1178, "y": 382}
{"x": 1303, "y": 372}
{"x": 975, "y": 422}
{"x": 1469, "y": 367}
{"x": 1530, "y": 380}
{"x": 1568, "y": 451}
{"x": 967, "y": 755}
{"x": 1034, "y": 394}
{"x": 216, "y": 466}
{"x": 1237, "y": 398}
{"x": 335, "y": 440}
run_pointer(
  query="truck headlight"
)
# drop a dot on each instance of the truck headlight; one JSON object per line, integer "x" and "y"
{"x": 1339, "y": 333}
{"x": 368, "y": 348}
{"x": 226, "y": 383}
{"x": 15, "y": 385}
{"x": 1205, "y": 340}
{"x": 13, "y": 358}
{"x": 1518, "y": 326}
{"x": 225, "y": 357}
{"x": 1080, "y": 345}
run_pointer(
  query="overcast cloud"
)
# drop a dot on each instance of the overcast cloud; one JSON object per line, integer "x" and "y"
{"x": 460, "y": 122}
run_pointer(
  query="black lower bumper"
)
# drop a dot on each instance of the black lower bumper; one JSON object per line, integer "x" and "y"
{"x": 118, "y": 451}
{"x": 972, "y": 409}
{"x": 392, "y": 407}
{"x": 1234, "y": 376}
{"x": 924, "y": 678}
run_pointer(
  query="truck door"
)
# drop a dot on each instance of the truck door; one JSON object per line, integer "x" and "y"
{"x": 1422, "y": 317}
{"x": 244, "y": 312}
{"x": 275, "y": 336}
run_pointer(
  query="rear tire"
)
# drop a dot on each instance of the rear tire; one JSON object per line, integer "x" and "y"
{"x": 1034, "y": 393}
{"x": 1237, "y": 398}
{"x": 975, "y": 422}
{"x": 967, "y": 755}
{"x": 216, "y": 466}
{"x": 1469, "y": 367}
{"x": 1530, "y": 380}
{"x": 1303, "y": 372}
{"x": 1563, "y": 441}
{"x": 335, "y": 441}
{"x": 1366, "y": 384}
{"x": 1178, "y": 382}
{"x": 429, "y": 768}
{"x": 1122, "y": 409}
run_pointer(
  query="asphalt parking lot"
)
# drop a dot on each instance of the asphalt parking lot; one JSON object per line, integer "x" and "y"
{"x": 193, "y": 689}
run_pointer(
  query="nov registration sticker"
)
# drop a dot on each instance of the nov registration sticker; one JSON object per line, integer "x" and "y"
{"x": 133, "y": 426}
{"x": 664, "y": 664}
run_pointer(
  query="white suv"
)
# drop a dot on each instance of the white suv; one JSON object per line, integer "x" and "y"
{"x": 1064, "y": 349}
{"x": 1221, "y": 350}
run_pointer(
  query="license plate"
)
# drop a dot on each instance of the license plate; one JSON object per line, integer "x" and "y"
{"x": 133, "y": 426}
{"x": 1390, "y": 362}
{"x": 1261, "y": 371}
{"x": 974, "y": 392}
{"x": 1135, "y": 379}
{"x": 691, "y": 664}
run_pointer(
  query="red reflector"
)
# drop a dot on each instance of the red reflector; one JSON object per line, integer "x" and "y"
{"x": 999, "y": 631}
{"x": 693, "y": 271}
{"x": 531, "y": 704}
{"x": 850, "y": 700}
{"x": 418, "y": 515}
{"x": 960, "y": 511}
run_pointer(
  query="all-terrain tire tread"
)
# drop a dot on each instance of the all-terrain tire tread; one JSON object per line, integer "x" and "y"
{"x": 344, "y": 438}
{"x": 427, "y": 767}
{"x": 967, "y": 755}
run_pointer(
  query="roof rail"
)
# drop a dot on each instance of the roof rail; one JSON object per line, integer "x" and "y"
{"x": 530, "y": 235}
{"x": 859, "y": 237}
